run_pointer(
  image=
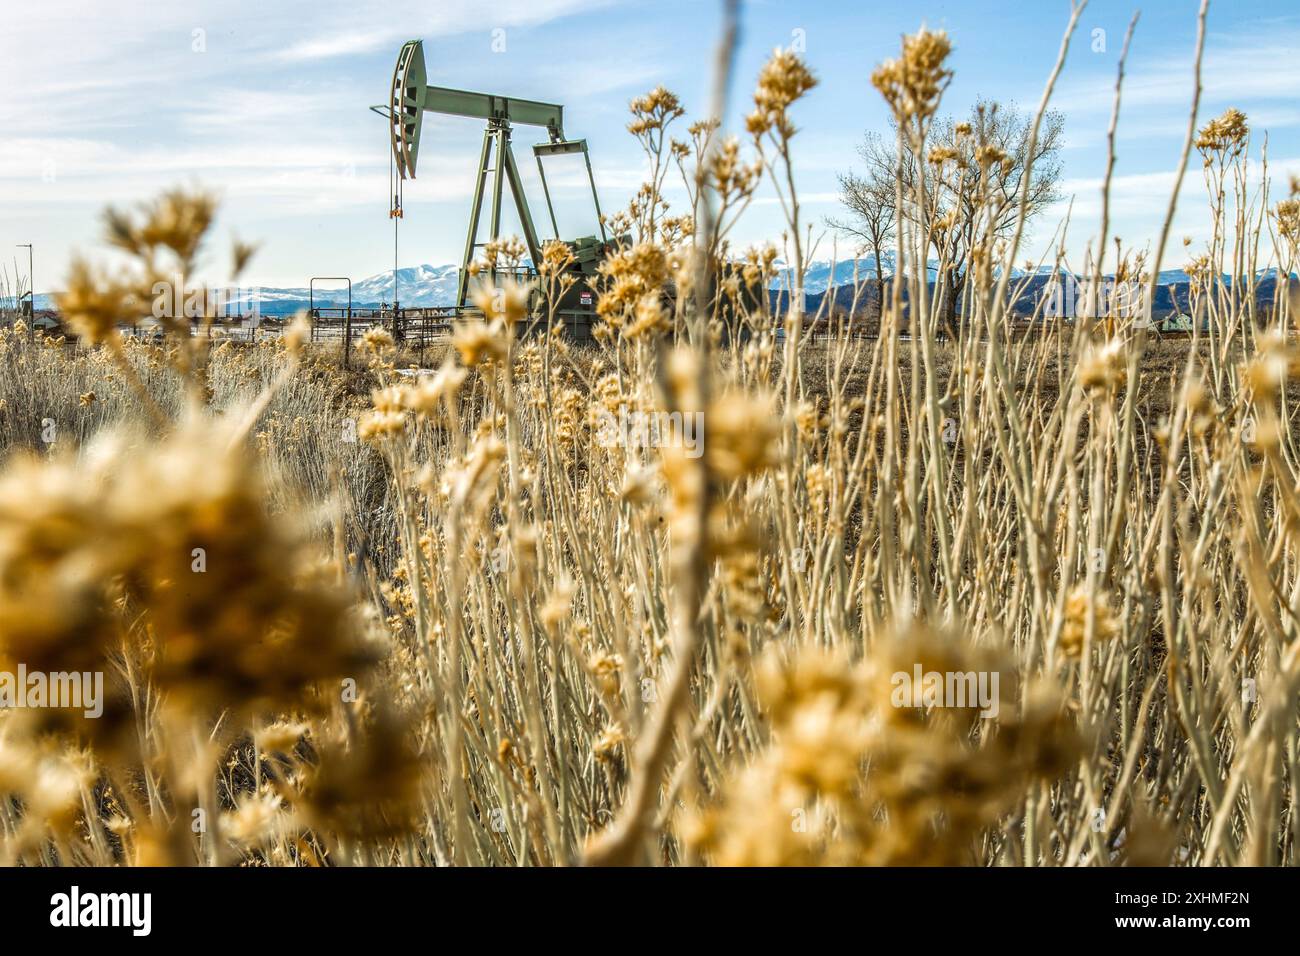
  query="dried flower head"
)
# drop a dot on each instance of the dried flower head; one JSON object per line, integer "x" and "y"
{"x": 368, "y": 787}
{"x": 377, "y": 340}
{"x": 254, "y": 821}
{"x": 481, "y": 343}
{"x": 431, "y": 392}
{"x": 784, "y": 79}
{"x": 913, "y": 84}
{"x": 504, "y": 303}
{"x": 93, "y": 303}
{"x": 742, "y": 434}
{"x": 1224, "y": 136}
{"x": 1083, "y": 608}
{"x": 1103, "y": 368}
{"x": 653, "y": 111}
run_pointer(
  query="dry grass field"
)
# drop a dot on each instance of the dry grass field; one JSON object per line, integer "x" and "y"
{"x": 372, "y": 618}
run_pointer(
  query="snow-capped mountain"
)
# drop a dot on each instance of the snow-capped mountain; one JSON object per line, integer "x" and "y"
{"x": 1167, "y": 276}
{"x": 822, "y": 274}
{"x": 430, "y": 285}
{"x": 423, "y": 285}
{"x": 418, "y": 285}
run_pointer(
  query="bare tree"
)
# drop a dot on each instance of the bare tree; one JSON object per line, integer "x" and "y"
{"x": 976, "y": 189}
{"x": 871, "y": 200}
{"x": 973, "y": 173}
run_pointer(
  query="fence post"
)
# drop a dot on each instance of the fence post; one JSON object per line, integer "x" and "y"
{"x": 347, "y": 336}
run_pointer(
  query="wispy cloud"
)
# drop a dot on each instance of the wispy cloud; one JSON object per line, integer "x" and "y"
{"x": 1254, "y": 63}
{"x": 1139, "y": 202}
{"x": 355, "y": 32}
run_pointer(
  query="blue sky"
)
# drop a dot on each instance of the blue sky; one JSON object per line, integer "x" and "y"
{"x": 265, "y": 102}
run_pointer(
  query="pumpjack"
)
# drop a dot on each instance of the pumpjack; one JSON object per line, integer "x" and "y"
{"x": 410, "y": 97}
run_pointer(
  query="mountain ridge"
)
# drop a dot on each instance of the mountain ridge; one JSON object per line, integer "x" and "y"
{"x": 428, "y": 285}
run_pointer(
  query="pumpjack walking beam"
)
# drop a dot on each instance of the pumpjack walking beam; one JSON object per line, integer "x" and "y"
{"x": 410, "y": 96}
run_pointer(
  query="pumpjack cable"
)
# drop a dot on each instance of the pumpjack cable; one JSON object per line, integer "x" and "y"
{"x": 395, "y": 210}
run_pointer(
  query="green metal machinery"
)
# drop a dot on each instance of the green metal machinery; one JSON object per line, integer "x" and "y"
{"x": 410, "y": 97}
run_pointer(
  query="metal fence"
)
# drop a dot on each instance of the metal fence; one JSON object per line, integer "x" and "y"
{"x": 415, "y": 329}
{"x": 410, "y": 328}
